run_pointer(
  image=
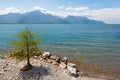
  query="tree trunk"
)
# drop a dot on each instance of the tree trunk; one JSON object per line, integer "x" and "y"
{"x": 28, "y": 66}
{"x": 27, "y": 46}
{"x": 28, "y": 60}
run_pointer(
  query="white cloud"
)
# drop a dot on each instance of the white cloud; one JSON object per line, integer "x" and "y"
{"x": 69, "y": 8}
{"x": 60, "y": 13}
{"x": 8, "y": 10}
{"x": 81, "y": 8}
{"x": 41, "y": 9}
{"x": 76, "y": 9}
{"x": 38, "y": 8}
{"x": 60, "y": 7}
{"x": 108, "y": 15}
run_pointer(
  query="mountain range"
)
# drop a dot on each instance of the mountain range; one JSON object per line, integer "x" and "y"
{"x": 38, "y": 17}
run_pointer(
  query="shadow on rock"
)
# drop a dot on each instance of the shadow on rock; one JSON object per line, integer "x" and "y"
{"x": 36, "y": 73}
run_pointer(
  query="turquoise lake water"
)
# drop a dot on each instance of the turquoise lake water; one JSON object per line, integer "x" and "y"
{"x": 96, "y": 44}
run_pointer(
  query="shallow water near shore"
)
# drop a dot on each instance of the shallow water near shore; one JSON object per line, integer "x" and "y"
{"x": 95, "y": 44}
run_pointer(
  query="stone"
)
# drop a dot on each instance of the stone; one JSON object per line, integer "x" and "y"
{"x": 72, "y": 68}
{"x": 46, "y": 55}
{"x": 55, "y": 63}
{"x": 50, "y": 61}
{"x": 6, "y": 70}
{"x": 35, "y": 57}
{"x": 62, "y": 65}
{"x": 2, "y": 57}
{"x": 5, "y": 65}
{"x": 1, "y": 73}
{"x": 10, "y": 78}
{"x": 74, "y": 75}
{"x": 65, "y": 60}
{"x": 55, "y": 59}
{"x": 72, "y": 65}
{"x": 58, "y": 60}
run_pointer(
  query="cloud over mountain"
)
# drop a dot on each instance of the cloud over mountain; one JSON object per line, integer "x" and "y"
{"x": 8, "y": 10}
{"x": 108, "y": 15}
{"x": 39, "y": 17}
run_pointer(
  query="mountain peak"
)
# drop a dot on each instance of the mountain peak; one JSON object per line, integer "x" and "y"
{"x": 39, "y": 17}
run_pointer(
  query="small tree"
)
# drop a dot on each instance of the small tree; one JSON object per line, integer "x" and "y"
{"x": 26, "y": 45}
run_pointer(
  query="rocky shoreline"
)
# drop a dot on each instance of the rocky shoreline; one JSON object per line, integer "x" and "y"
{"x": 45, "y": 67}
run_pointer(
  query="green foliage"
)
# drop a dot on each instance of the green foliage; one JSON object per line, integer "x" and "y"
{"x": 20, "y": 44}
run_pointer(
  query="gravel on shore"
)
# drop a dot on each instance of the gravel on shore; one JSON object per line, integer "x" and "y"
{"x": 42, "y": 70}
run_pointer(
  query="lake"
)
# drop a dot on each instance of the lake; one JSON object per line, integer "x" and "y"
{"x": 95, "y": 44}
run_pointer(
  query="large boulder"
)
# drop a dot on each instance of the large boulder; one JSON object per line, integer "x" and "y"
{"x": 46, "y": 55}
{"x": 73, "y": 70}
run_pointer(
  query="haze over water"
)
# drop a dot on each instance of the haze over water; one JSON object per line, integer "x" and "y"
{"x": 95, "y": 44}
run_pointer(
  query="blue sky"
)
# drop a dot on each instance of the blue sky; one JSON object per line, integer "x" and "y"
{"x": 105, "y": 10}
{"x": 53, "y": 4}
